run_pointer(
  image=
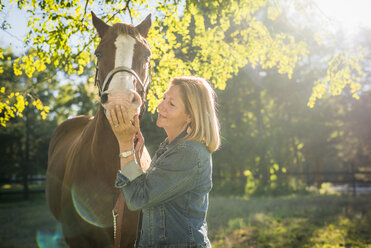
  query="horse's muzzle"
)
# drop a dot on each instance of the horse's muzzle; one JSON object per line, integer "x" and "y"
{"x": 129, "y": 99}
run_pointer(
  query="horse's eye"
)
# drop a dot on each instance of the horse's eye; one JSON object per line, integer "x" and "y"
{"x": 147, "y": 54}
{"x": 98, "y": 54}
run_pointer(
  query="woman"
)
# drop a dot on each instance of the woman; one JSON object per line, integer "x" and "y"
{"x": 173, "y": 192}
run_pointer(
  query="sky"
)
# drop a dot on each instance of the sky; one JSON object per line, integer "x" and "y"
{"x": 18, "y": 21}
{"x": 347, "y": 15}
{"x": 14, "y": 36}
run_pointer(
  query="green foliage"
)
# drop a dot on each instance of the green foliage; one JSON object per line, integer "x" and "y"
{"x": 13, "y": 101}
{"x": 24, "y": 143}
{"x": 272, "y": 143}
{"x": 212, "y": 39}
{"x": 61, "y": 32}
{"x": 343, "y": 69}
{"x": 61, "y": 35}
{"x": 15, "y": 104}
{"x": 215, "y": 40}
{"x": 227, "y": 186}
{"x": 262, "y": 65}
{"x": 251, "y": 183}
{"x": 273, "y": 140}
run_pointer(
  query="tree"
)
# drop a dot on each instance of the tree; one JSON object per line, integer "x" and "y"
{"x": 212, "y": 39}
{"x": 25, "y": 141}
{"x": 271, "y": 139}
{"x": 13, "y": 101}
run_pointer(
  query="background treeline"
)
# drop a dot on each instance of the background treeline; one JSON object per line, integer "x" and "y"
{"x": 271, "y": 139}
{"x": 267, "y": 131}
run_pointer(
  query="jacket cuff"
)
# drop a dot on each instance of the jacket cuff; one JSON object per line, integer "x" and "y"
{"x": 127, "y": 174}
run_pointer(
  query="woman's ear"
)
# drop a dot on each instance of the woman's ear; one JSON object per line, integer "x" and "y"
{"x": 189, "y": 120}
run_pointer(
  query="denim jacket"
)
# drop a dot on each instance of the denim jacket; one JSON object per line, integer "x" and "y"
{"x": 173, "y": 195}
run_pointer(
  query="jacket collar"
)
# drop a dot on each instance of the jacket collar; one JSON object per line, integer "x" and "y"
{"x": 165, "y": 144}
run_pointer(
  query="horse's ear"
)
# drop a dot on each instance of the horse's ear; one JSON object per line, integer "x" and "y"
{"x": 99, "y": 25}
{"x": 144, "y": 26}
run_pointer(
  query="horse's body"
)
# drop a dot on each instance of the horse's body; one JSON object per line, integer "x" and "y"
{"x": 83, "y": 152}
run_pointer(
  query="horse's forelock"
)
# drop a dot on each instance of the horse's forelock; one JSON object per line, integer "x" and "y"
{"x": 129, "y": 29}
{"x": 122, "y": 28}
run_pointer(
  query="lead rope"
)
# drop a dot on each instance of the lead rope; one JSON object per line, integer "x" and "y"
{"x": 118, "y": 213}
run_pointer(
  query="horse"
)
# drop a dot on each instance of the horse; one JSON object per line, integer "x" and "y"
{"x": 83, "y": 156}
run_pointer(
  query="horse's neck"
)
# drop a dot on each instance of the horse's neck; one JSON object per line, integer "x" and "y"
{"x": 103, "y": 140}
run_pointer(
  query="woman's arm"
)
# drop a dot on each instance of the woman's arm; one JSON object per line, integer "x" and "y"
{"x": 173, "y": 176}
{"x": 176, "y": 174}
{"x": 124, "y": 130}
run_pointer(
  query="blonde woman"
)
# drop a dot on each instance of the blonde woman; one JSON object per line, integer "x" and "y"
{"x": 173, "y": 193}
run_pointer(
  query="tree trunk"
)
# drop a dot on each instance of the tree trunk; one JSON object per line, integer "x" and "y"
{"x": 26, "y": 161}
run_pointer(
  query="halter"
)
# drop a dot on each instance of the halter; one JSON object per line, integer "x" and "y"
{"x": 110, "y": 75}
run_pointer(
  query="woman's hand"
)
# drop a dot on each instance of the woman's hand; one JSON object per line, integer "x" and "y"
{"x": 139, "y": 145}
{"x": 122, "y": 126}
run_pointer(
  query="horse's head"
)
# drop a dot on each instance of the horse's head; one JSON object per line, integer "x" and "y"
{"x": 123, "y": 71}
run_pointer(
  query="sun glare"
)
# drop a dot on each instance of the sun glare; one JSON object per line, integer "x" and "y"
{"x": 348, "y": 15}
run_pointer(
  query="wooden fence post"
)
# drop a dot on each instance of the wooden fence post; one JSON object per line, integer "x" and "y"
{"x": 354, "y": 182}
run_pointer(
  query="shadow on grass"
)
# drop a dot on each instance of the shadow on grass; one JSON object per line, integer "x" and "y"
{"x": 27, "y": 223}
{"x": 300, "y": 221}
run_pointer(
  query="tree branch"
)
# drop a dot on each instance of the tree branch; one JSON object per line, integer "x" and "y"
{"x": 125, "y": 8}
{"x": 86, "y": 6}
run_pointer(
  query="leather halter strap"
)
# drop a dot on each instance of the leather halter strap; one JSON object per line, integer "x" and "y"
{"x": 110, "y": 75}
{"x": 107, "y": 80}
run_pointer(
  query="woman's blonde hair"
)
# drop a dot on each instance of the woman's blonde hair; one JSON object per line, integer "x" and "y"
{"x": 199, "y": 100}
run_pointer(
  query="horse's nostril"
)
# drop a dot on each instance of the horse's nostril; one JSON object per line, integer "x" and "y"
{"x": 104, "y": 98}
{"x": 133, "y": 99}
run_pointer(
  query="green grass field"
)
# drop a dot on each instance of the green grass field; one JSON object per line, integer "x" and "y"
{"x": 296, "y": 221}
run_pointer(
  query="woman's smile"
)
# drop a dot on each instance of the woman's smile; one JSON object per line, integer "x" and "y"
{"x": 161, "y": 116}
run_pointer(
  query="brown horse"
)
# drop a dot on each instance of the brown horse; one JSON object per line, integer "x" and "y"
{"x": 83, "y": 153}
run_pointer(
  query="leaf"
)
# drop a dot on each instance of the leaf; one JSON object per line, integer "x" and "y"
{"x": 343, "y": 69}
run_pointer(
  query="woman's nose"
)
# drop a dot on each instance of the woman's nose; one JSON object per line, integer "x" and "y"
{"x": 160, "y": 105}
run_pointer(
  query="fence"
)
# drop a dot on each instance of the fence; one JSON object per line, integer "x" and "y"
{"x": 7, "y": 185}
{"x": 351, "y": 180}
{"x": 354, "y": 179}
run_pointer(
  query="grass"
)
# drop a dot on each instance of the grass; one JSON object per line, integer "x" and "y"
{"x": 21, "y": 220}
{"x": 296, "y": 221}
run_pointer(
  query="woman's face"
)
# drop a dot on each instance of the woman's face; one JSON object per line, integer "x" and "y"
{"x": 172, "y": 115}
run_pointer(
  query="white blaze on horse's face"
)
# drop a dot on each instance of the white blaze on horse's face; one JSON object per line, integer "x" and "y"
{"x": 121, "y": 89}
{"x": 124, "y": 57}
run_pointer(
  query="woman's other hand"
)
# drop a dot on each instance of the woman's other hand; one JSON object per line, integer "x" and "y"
{"x": 139, "y": 145}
